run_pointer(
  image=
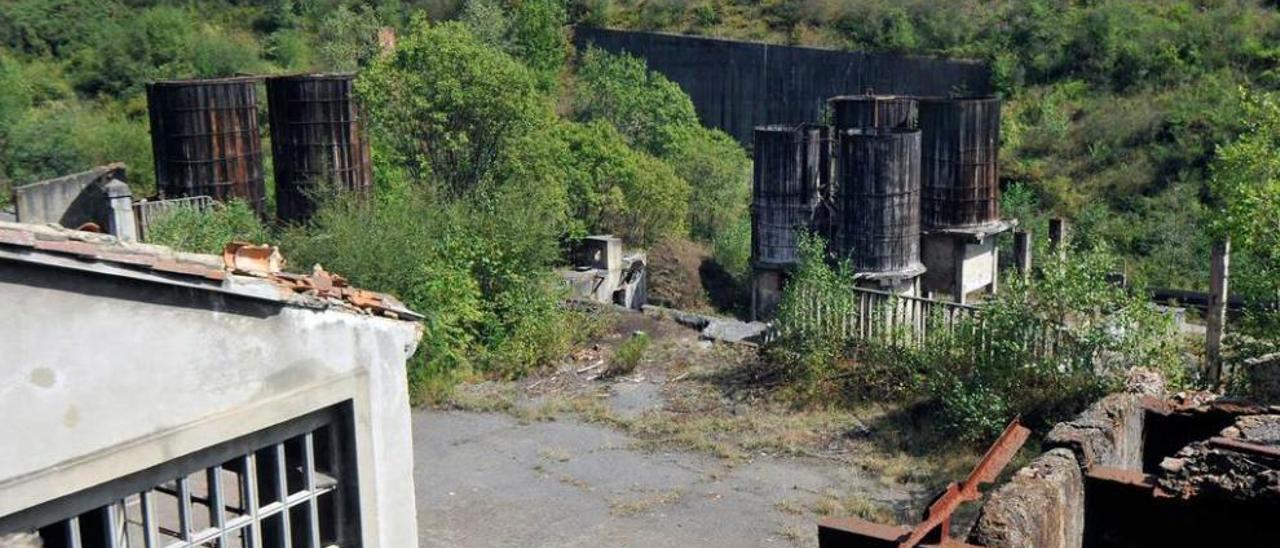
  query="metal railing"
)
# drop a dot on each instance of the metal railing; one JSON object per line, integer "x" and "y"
{"x": 867, "y": 316}
{"x": 287, "y": 486}
{"x": 147, "y": 212}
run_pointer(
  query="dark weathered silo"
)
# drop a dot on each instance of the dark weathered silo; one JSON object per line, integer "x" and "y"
{"x": 872, "y": 111}
{"x": 317, "y": 140}
{"x": 879, "y": 199}
{"x": 790, "y": 168}
{"x": 204, "y": 134}
{"x": 961, "y": 144}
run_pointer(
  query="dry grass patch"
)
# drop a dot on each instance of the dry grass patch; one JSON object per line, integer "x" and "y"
{"x": 633, "y": 506}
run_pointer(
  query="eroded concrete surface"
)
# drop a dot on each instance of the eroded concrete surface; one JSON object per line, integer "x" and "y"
{"x": 489, "y": 480}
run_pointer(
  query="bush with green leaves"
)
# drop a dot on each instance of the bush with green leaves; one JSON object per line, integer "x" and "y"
{"x": 448, "y": 108}
{"x": 613, "y": 188}
{"x": 208, "y": 230}
{"x": 532, "y": 31}
{"x": 655, "y": 115}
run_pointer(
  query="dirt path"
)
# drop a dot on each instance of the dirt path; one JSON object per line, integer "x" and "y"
{"x": 664, "y": 455}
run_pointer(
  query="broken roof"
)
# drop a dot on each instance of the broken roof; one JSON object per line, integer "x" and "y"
{"x": 244, "y": 270}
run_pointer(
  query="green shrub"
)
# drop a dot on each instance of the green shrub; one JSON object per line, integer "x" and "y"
{"x": 651, "y": 111}
{"x": 208, "y": 231}
{"x": 1042, "y": 348}
{"x": 446, "y": 108}
{"x": 533, "y": 31}
{"x": 732, "y": 249}
{"x": 628, "y": 355}
{"x": 615, "y": 189}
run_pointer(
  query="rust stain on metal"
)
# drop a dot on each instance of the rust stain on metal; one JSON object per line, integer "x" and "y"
{"x": 205, "y": 139}
{"x": 997, "y": 457}
{"x": 1245, "y": 447}
{"x": 319, "y": 141}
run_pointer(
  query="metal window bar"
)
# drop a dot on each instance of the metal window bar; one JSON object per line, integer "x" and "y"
{"x": 167, "y": 514}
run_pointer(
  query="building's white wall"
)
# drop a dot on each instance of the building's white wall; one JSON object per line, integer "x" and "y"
{"x": 95, "y": 383}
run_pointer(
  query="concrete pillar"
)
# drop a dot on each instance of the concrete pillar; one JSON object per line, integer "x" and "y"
{"x": 1022, "y": 252}
{"x": 766, "y": 293}
{"x": 120, "y": 219}
{"x": 1219, "y": 274}
{"x": 1058, "y": 235}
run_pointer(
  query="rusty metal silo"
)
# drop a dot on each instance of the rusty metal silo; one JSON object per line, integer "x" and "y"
{"x": 872, "y": 111}
{"x": 961, "y": 145}
{"x": 204, "y": 134}
{"x": 790, "y": 167}
{"x": 878, "y": 201}
{"x": 318, "y": 141}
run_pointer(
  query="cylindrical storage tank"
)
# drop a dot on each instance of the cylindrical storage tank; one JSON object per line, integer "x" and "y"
{"x": 204, "y": 134}
{"x": 961, "y": 145}
{"x": 878, "y": 201}
{"x": 317, "y": 140}
{"x": 790, "y": 162}
{"x": 872, "y": 111}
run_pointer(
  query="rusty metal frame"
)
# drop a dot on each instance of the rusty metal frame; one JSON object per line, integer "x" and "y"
{"x": 938, "y": 518}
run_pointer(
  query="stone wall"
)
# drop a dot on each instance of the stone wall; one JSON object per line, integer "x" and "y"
{"x": 1043, "y": 504}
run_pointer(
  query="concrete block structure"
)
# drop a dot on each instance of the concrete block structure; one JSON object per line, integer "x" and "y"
{"x": 99, "y": 196}
{"x": 961, "y": 262}
{"x": 604, "y": 273}
{"x": 154, "y": 398}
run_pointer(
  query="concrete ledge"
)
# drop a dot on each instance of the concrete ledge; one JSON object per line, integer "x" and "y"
{"x": 1042, "y": 505}
{"x": 1108, "y": 433}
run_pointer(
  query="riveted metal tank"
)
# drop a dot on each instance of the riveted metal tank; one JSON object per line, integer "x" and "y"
{"x": 960, "y": 153}
{"x": 318, "y": 141}
{"x": 204, "y": 134}
{"x": 872, "y": 111}
{"x": 878, "y": 201}
{"x": 790, "y": 167}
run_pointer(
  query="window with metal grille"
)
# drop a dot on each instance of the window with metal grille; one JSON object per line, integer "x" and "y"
{"x": 290, "y": 486}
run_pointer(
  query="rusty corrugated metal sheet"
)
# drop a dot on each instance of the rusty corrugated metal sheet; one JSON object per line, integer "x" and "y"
{"x": 872, "y": 111}
{"x": 878, "y": 199}
{"x": 318, "y": 141}
{"x": 790, "y": 173}
{"x": 961, "y": 145}
{"x": 205, "y": 137}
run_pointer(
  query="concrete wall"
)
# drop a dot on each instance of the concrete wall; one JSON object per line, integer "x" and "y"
{"x": 1043, "y": 505}
{"x": 736, "y": 86}
{"x": 103, "y": 376}
{"x": 69, "y": 201}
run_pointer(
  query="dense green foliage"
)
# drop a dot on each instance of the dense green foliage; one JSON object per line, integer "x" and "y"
{"x": 199, "y": 231}
{"x": 1042, "y": 348}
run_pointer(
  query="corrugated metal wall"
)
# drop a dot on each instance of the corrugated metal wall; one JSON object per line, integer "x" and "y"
{"x": 737, "y": 86}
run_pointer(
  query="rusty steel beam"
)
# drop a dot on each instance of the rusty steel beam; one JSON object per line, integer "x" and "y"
{"x": 1245, "y": 447}
{"x": 854, "y": 532}
{"x": 938, "y": 520}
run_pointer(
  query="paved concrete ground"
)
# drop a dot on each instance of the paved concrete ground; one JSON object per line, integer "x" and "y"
{"x": 489, "y": 480}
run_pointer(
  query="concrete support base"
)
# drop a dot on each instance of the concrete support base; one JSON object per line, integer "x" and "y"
{"x": 958, "y": 263}
{"x": 766, "y": 292}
